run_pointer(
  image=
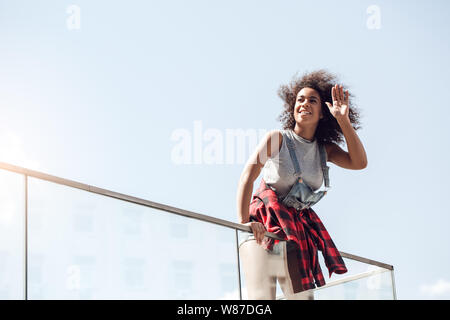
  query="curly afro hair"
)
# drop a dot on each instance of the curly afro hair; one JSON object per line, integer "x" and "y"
{"x": 328, "y": 129}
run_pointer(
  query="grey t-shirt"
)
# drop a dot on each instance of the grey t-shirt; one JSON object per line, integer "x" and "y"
{"x": 278, "y": 171}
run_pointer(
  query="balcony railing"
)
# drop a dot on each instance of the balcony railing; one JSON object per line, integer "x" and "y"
{"x": 61, "y": 239}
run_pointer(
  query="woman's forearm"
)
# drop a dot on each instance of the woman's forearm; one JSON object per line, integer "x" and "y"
{"x": 355, "y": 147}
{"x": 244, "y": 194}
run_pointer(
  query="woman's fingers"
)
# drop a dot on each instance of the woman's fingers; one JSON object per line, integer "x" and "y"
{"x": 259, "y": 233}
{"x": 333, "y": 93}
{"x": 338, "y": 94}
{"x": 258, "y": 230}
{"x": 262, "y": 232}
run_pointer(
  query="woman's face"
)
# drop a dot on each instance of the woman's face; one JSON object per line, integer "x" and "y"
{"x": 308, "y": 106}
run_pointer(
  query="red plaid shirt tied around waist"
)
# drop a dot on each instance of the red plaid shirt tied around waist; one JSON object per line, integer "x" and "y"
{"x": 304, "y": 232}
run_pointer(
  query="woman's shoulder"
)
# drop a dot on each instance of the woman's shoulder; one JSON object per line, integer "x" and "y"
{"x": 274, "y": 141}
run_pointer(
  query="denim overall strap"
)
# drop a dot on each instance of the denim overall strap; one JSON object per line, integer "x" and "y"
{"x": 325, "y": 168}
{"x": 291, "y": 148}
{"x": 323, "y": 160}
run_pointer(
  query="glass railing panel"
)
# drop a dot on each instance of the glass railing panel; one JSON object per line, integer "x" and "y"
{"x": 12, "y": 235}
{"x": 362, "y": 281}
{"x": 83, "y": 245}
{"x": 354, "y": 268}
{"x": 375, "y": 284}
{"x": 88, "y": 246}
{"x": 370, "y": 281}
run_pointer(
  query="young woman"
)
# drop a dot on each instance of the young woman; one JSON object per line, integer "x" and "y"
{"x": 293, "y": 162}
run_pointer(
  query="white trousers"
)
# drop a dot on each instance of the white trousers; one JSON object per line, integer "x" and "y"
{"x": 262, "y": 269}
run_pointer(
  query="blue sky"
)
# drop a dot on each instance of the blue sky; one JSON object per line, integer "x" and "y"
{"x": 99, "y": 105}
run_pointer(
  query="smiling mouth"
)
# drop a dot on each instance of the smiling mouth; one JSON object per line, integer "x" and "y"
{"x": 305, "y": 113}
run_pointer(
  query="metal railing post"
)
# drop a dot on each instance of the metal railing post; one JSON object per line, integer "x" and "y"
{"x": 393, "y": 285}
{"x": 238, "y": 265}
{"x": 26, "y": 239}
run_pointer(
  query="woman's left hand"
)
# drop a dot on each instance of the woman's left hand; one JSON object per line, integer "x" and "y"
{"x": 340, "y": 107}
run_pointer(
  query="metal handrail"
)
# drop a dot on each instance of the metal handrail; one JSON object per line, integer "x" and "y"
{"x": 163, "y": 207}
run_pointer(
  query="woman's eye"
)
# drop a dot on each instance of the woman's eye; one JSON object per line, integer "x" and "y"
{"x": 312, "y": 101}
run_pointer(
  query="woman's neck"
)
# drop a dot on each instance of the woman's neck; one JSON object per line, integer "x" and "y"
{"x": 305, "y": 132}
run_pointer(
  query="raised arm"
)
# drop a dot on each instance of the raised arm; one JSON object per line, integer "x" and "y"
{"x": 356, "y": 157}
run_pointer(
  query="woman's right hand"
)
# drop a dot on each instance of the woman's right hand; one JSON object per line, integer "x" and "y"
{"x": 258, "y": 230}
